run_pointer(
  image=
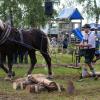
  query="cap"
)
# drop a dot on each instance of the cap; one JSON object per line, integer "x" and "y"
{"x": 87, "y": 26}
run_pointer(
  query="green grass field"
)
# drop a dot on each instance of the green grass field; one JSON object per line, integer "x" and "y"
{"x": 89, "y": 89}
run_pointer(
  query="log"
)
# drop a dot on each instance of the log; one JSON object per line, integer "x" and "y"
{"x": 21, "y": 83}
{"x": 40, "y": 78}
{"x": 35, "y": 88}
{"x": 18, "y": 84}
{"x": 48, "y": 84}
{"x": 90, "y": 74}
{"x": 36, "y": 83}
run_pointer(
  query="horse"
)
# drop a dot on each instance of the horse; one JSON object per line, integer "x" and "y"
{"x": 12, "y": 40}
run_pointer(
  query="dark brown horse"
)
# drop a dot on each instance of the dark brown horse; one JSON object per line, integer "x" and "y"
{"x": 31, "y": 40}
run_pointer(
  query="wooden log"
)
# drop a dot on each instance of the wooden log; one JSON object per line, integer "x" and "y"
{"x": 18, "y": 84}
{"x": 31, "y": 88}
{"x": 35, "y": 88}
{"x": 48, "y": 84}
{"x": 90, "y": 74}
{"x": 21, "y": 83}
{"x": 40, "y": 78}
{"x": 36, "y": 83}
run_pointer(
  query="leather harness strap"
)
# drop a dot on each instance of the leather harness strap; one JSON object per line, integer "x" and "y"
{"x": 21, "y": 36}
{"x": 5, "y": 35}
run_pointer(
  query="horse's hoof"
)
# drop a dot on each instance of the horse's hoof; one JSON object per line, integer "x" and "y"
{"x": 11, "y": 74}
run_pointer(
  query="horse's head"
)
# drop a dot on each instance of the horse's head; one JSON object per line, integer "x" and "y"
{"x": 1, "y": 26}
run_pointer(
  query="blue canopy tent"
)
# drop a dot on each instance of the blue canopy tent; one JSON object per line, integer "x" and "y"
{"x": 70, "y": 13}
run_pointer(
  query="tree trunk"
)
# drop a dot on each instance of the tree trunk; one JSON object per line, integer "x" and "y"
{"x": 97, "y": 20}
{"x": 97, "y": 13}
{"x": 11, "y": 16}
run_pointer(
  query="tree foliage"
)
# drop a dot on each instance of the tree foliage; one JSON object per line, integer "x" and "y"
{"x": 23, "y": 12}
{"x": 91, "y": 8}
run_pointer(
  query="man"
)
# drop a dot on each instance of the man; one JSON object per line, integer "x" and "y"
{"x": 88, "y": 44}
{"x": 65, "y": 44}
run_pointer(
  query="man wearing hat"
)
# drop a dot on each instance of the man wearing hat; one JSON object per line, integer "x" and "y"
{"x": 88, "y": 44}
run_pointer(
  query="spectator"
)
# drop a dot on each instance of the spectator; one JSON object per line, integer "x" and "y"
{"x": 88, "y": 44}
{"x": 65, "y": 44}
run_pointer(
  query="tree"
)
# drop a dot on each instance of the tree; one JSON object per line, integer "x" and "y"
{"x": 10, "y": 11}
{"x": 91, "y": 8}
{"x": 23, "y": 12}
{"x": 33, "y": 12}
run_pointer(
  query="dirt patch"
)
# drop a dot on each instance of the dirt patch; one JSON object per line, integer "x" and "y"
{"x": 4, "y": 96}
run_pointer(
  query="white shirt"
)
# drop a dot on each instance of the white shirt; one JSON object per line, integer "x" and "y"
{"x": 91, "y": 38}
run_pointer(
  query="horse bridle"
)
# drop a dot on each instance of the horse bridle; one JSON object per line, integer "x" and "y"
{"x": 5, "y": 35}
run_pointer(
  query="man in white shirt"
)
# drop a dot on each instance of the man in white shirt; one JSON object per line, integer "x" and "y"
{"x": 88, "y": 44}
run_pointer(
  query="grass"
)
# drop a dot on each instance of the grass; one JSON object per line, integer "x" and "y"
{"x": 89, "y": 89}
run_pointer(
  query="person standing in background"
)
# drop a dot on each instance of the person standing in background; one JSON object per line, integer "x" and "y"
{"x": 88, "y": 44}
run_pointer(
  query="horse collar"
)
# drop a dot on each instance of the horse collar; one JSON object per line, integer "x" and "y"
{"x": 5, "y": 35}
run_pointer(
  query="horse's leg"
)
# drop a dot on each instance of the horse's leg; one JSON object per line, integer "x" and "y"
{"x": 33, "y": 61}
{"x": 48, "y": 61}
{"x": 2, "y": 57}
{"x": 10, "y": 63}
{"x": 26, "y": 57}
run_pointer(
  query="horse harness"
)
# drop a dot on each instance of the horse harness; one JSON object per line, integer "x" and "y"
{"x": 5, "y": 35}
{"x": 21, "y": 36}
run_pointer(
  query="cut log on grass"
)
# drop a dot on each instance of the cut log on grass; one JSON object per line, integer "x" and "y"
{"x": 35, "y": 88}
{"x": 48, "y": 84}
{"x": 40, "y": 78}
{"x": 90, "y": 74}
{"x": 21, "y": 83}
{"x": 36, "y": 83}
